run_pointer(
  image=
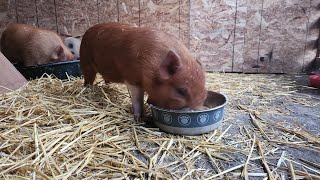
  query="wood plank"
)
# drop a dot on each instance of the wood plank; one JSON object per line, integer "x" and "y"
{"x": 313, "y": 36}
{"x": 252, "y": 33}
{"x": 11, "y": 79}
{"x": 27, "y": 12}
{"x": 7, "y": 14}
{"x": 184, "y": 22}
{"x": 129, "y": 11}
{"x": 272, "y": 37}
{"x": 296, "y": 33}
{"x": 163, "y": 15}
{"x": 107, "y": 11}
{"x": 47, "y": 15}
{"x": 239, "y": 36}
{"x": 283, "y": 36}
{"x": 211, "y": 32}
{"x": 76, "y": 16}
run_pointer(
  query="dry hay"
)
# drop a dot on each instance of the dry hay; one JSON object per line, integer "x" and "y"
{"x": 59, "y": 130}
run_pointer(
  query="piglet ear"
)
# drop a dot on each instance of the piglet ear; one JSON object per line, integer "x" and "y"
{"x": 58, "y": 53}
{"x": 170, "y": 65}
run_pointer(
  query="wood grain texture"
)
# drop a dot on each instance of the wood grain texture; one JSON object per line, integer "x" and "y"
{"x": 239, "y": 36}
{"x": 283, "y": 36}
{"x": 313, "y": 35}
{"x": 47, "y": 14}
{"x": 252, "y": 19}
{"x": 27, "y": 12}
{"x": 162, "y": 14}
{"x": 272, "y": 37}
{"x": 129, "y": 11}
{"x": 76, "y": 16}
{"x": 184, "y": 22}
{"x": 211, "y": 33}
{"x": 11, "y": 79}
{"x": 295, "y": 23}
{"x": 7, "y": 14}
{"x": 108, "y": 11}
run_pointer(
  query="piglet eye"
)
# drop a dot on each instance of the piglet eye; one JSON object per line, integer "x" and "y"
{"x": 181, "y": 92}
{"x": 70, "y": 46}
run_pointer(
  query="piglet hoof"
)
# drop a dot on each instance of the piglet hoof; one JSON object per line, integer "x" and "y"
{"x": 137, "y": 117}
{"x": 87, "y": 85}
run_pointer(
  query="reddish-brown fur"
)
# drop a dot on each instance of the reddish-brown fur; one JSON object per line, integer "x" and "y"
{"x": 29, "y": 45}
{"x": 146, "y": 58}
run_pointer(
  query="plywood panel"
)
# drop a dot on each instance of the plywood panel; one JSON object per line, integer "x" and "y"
{"x": 129, "y": 11}
{"x": 7, "y": 14}
{"x": 296, "y": 29}
{"x": 76, "y": 16}
{"x": 283, "y": 36}
{"x": 11, "y": 79}
{"x": 47, "y": 15}
{"x": 108, "y": 11}
{"x": 240, "y": 31}
{"x": 163, "y": 14}
{"x": 184, "y": 22}
{"x": 212, "y": 31}
{"x": 27, "y": 12}
{"x": 313, "y": 35}
{"x": 272, "y": 37}
{"x": 252, "y": 33}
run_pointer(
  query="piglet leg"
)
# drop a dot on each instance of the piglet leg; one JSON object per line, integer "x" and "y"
{"x": 137, "y": 95}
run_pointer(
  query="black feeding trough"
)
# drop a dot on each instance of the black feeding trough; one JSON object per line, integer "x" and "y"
{"x": 61, "y": 70}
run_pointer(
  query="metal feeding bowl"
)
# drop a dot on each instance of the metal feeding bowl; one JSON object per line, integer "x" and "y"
{"x": 191, "y": 122}
{"x": 61, "y": 70}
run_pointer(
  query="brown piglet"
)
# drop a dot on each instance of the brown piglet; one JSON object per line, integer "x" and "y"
{"x": 146, "y": 60}
{"x": 28, "y": 45}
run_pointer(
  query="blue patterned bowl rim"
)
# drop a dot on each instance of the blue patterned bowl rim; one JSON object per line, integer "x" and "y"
{"x": 193, "y": 111}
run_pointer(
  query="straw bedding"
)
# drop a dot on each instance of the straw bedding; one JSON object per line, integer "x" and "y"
{"x": 57, "y": 129}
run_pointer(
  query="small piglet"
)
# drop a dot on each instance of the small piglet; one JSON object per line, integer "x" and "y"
{"x": 73, "y": 44}
{"x": 145, "y": 60}
{"x": 28, "y": 45}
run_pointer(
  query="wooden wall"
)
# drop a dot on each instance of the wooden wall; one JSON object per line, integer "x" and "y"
{"x": 264, "y": 36}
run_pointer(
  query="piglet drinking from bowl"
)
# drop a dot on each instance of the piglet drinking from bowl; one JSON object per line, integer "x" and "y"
{"x": 146, "y": 60}
{"x": 28, "y": 45}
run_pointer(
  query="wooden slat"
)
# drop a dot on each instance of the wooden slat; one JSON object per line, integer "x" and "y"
{"x": 313, "y": 35}
{"x": 7, "y": 14}
{"x": 47, "y": 15}
{"x": 108, "y": 11}
{"x": 251, "y": 47}
{"x": 296, "y": 22}
{"x": 211, "y": 32}
{"x": 27, "y": 12}
{"x": 11, "y": 79}
{"x": 163, "y": 14}
{"x": 240, "y": 32}
{"x": 283, "y": 36}
{"x": 184, "y": 22}
{"x": 76, "y": 16}
{"x": 272, "y": 37}
{"x": 129, "y": 11}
